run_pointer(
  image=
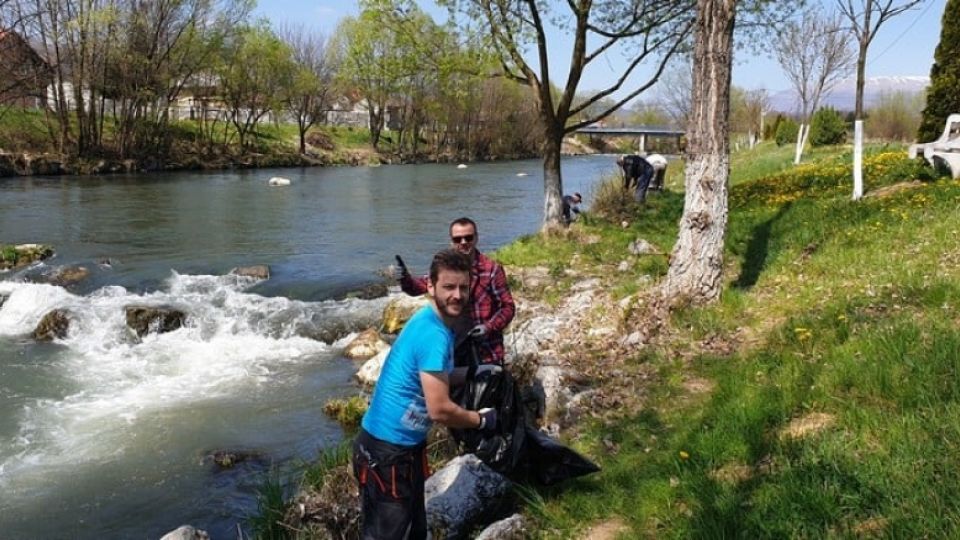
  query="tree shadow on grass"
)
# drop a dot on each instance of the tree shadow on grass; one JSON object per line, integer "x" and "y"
{"x": 758, "y": 249}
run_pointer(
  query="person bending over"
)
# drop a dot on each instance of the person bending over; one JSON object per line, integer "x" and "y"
{"x": 413, "y": 391}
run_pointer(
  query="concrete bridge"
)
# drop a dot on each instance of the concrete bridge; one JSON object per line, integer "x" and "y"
{"x": 641, "y": 132}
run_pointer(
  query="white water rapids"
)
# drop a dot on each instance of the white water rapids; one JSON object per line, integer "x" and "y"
{"x": 107, "y": 395}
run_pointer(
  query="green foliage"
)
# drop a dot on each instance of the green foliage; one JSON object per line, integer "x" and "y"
{"x": 787, "y": 131}
{"x": 328, "y": 460}
{"x": 770, "y": 128}
{"x": 943, "y": 94}
{"x": 612, "y": 202}
{"x": 347, "y": 412}
{"x": 267, "y": 522}
{"x": 827, "y": 127}
{"x": 8, "y": 254}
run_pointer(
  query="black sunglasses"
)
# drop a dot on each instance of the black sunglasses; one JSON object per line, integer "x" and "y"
{"x": 468, "y": 238}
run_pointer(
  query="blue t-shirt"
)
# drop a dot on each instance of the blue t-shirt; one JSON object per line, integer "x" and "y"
{"x": 398, "y": 410}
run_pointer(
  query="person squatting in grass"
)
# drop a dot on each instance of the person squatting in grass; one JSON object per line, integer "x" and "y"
{"x": 491, "y": 305}
{"x": 413, "y": 391}
{"x": 571, "y": 203}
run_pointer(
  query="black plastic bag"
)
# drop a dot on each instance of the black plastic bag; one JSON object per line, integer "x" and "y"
{"x": 516, "y": 446}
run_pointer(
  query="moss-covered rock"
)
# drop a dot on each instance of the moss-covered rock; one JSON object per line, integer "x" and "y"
{"x": 16, "y": 256}
{"x": 144, "y": 319}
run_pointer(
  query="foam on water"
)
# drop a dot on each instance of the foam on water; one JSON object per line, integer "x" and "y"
{"x": 233, "y": 343}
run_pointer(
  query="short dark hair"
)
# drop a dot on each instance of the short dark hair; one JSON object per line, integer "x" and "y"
{"x": 578, "y": 196}
{"x": 448, "y": 259}
{"x": 463, "y": 221}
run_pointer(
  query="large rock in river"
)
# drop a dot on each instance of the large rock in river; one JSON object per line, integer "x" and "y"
{"x": 23, "y": 254}
{"x": 366, "y": 345}
{"x": 53, "y": 325}
{"x": 258, "y": 271}
{"x": 399, "y": 311}
{"x": 144, "y": 319}
{"x": 369, "y": 372}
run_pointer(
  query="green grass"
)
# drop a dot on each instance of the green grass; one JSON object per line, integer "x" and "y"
{"x": 843, "y": 311}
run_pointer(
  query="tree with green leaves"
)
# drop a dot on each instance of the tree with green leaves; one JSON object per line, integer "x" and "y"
{"x": 651, "y": 32}
{"x": 943, "y": 94}
{"x": 257, "y": 70}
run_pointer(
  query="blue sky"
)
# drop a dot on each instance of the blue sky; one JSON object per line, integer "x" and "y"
{"x": 904, "y": 45}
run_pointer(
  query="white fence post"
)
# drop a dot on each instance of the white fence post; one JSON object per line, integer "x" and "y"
{"x": 857, "y": 160}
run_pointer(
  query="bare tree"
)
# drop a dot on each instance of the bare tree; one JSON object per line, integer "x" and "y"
{"x": 866, "y": 17}
{"x": 674, "y": 89}
{"x": 815, "y": 54}
{"x": 651, "y": 31}
{"x": 312, "y": 91}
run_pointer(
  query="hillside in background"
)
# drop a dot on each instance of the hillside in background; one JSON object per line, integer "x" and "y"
{"x": 843, "y": 96}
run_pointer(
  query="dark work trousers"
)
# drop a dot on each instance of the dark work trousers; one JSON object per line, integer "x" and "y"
{"x": 391, "y": 488}
{"x": 643, "y": 182}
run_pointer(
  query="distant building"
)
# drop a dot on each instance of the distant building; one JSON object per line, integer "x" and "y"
{"x": 24, "y": 75}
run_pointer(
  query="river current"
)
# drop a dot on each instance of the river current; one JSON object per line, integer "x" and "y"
{"x": 106, "y": 436}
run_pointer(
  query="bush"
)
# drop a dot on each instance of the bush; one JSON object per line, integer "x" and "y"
{"x": 827, "y": 127}
{"x": 896, "y": 117}
{"x": 770, "y": 129}
{"x": 787, "y": 131}
{"x": 612, "y": 202}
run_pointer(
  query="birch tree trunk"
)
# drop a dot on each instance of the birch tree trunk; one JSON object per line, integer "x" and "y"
{"x": 696, "y": 265}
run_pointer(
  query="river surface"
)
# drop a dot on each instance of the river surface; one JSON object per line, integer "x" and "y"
{"x": 103, "y": 435}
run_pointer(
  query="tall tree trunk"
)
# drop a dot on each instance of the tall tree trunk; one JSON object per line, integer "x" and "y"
{"x": 552, "y": 181}
{"x": 861, "y": 78}
{"x": 696, "y": 265}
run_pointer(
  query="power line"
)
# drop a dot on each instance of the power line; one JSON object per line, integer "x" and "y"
{"x": 915, "y": 21}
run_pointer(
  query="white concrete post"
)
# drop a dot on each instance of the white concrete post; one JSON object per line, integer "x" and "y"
{"x": 857, "y": 160}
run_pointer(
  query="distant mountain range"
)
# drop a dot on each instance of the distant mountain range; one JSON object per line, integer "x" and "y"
{"x": 843, "y": 96}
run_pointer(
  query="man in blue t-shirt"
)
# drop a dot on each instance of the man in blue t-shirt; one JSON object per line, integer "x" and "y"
{"x": 413, "y": 391}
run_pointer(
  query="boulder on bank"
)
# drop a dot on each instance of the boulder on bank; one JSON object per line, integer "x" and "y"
{"x": 461, "y": 494}
{"x": 366, "y": 345}
{"x": 511, "y": 528}
{"x": 642, "y": 247}
{"x": 54, "y": 325}
{"x": 144, "y": 319}
{"x": 257, "y": 271}
{"x": 186, "y": 532}
{"x": 399, "y": 311}
{"x": 369, "y": 372}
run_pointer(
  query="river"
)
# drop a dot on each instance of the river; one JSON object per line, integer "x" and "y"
{"x": 106, "y": 436}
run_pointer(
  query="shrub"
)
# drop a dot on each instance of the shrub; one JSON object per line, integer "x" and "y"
{"x": 770, "y": 129}
{"x": 827, "y": 127}
{"x": 347, "y": 412}
{"x": 895, "y": 117}
{"x": 787, "y": 131}
{"x": 612, "y": 202}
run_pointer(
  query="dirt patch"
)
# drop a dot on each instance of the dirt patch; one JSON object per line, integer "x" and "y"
{"x": 607, "y": 530}
{"x": 732, "y": 473}
{"x": 807, "y": 425}
{"x": 698, "y": 386}
{"x": 887, "y": 191}
{"x": 871, "y": 528}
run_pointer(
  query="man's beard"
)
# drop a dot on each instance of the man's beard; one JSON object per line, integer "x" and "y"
{"x": 444, "y": 307}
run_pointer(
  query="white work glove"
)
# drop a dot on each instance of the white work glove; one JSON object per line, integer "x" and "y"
{"x": 488, "y": 419}
{"x": 477, "y": 331}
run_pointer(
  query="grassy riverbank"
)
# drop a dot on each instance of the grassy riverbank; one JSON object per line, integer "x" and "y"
{"x": 818, "y": 398}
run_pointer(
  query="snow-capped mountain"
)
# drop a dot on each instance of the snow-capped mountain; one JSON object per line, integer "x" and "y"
{"x": 843, "y": 96}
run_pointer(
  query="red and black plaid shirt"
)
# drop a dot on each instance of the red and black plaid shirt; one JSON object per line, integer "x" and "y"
{"x": 490, "y": 303}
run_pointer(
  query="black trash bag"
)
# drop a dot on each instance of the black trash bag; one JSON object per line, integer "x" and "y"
{"x": 516, "y": 446}
{"x": 502, "y": 449}
{"x": 551, "y": 462}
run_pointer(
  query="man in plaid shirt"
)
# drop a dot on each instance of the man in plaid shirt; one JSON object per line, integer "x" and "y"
{"x": 491, "y": 305}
